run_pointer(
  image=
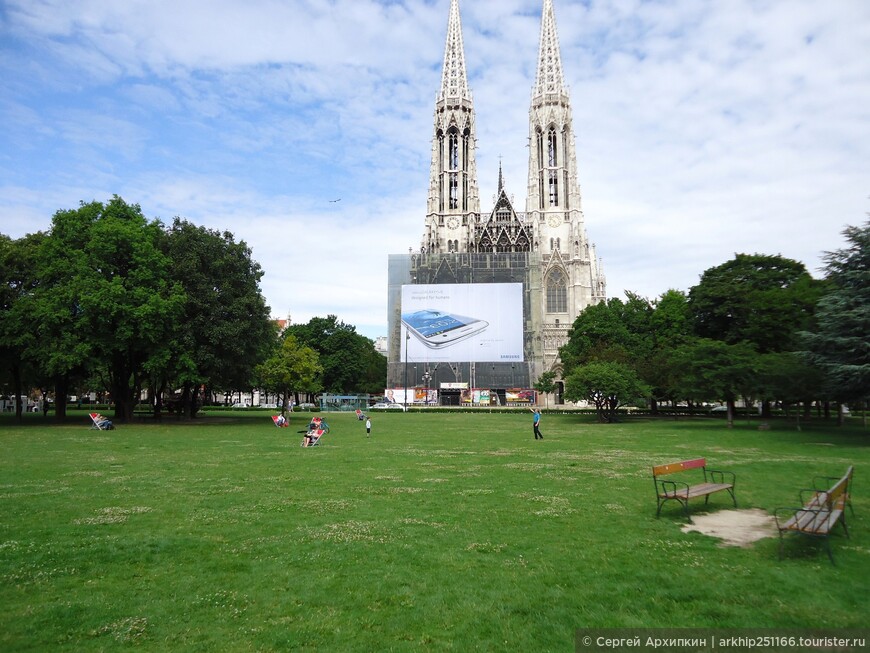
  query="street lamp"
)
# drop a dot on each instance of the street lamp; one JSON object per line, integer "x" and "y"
{"x": 405, "y": 398}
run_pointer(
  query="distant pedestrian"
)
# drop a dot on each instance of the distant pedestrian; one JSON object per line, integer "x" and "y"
{"x": 536, "y": 422}
{"x": 368, "y": 426}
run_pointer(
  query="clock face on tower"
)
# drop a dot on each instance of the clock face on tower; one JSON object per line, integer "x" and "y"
{"x": 452, "y": 222}
{"x": 554, "y": 221}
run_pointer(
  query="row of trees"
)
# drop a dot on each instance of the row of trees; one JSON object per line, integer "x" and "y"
{"x": 756, "y": 327}
{"x": 108, "y": 300}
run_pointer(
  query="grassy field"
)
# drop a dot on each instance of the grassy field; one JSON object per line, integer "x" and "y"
{"x": 441, "y": 532}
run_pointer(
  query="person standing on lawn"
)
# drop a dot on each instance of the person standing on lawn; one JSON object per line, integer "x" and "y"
{"x": 368, "y": 426}
{"x": 536, "y": 421}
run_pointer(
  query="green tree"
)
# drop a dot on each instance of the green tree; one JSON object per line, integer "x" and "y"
{"x": 714, "y": 370}
{"x": 104, "y": 299}
{"x": 762, "y": 300}
{"x": 225, "y": 330}
{"x": 375, "y": 379}
{"x": 789, "y": 378}
{"x": 607, "y": 331}
{"x": 546, "y": 383}
{"x": 839, "y": 343}
{"x": 637, "y": 333}
{"x": 292, "y": 367}
{"x": 607, "y": 385}
{"x": 344, "y": 354}
{"x": 18, "y": 259}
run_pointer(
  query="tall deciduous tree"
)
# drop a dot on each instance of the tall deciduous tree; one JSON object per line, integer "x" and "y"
{"x": 18, "y": 260}
{"x": 105, "y": 298}
{"x": 714, "y": 370}
{"x": 762, "y": 300}
{"x": 225, "y": 330}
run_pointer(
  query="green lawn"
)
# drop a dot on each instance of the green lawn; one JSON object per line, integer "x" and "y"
{"x": 441, "y": 532}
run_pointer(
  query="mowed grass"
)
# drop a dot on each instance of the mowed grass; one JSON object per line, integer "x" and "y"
{"x": 441, "y": 532}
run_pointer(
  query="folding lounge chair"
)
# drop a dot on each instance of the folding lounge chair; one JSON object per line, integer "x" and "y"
{"x": 100, "y": 423}
{"x": 284, "y": 425}
{"x": 312, "y": 437}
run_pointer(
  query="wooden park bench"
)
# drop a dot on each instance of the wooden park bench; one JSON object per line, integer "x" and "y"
{"x": 679, "y": 490}
{"x": 820, "y": 511}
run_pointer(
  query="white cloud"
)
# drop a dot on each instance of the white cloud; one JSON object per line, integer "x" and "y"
{"x": 703, "y": 128}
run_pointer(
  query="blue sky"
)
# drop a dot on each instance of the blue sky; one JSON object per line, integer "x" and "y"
{"x": 704, "y": 128}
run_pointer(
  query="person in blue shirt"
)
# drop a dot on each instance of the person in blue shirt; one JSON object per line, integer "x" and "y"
{"x": 536, "y": 423}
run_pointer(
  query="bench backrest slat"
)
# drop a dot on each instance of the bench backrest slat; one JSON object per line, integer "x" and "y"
{"x": 837, "y": 493}
{"x": 670, "y": 468}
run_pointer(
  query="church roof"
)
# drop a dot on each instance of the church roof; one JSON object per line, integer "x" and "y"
{"x": 549, "y": 78}
{"x": 454, "y": 81}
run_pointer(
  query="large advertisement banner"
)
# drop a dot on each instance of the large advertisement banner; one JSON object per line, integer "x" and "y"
{"x": 468, "y": 322}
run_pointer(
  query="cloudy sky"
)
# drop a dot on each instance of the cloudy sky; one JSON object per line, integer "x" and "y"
{"x": 704, "y": 128}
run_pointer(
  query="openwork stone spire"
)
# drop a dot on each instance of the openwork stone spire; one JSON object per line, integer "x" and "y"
{"x": 454, "y": 82}
{"x": 550, "y": 79}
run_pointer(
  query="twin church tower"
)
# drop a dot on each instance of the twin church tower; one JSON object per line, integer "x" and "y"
{"x": 545, "y": 245}
{"x": 552, "y": 224}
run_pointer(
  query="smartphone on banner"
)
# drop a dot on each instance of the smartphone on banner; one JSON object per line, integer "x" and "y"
{"x": 436, "y": 329}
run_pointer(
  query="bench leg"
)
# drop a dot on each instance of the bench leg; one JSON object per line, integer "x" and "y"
{"x": 733, "y": 497}
{"x": 828, "y": 548}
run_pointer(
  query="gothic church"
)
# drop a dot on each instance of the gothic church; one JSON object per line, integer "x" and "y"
{"x": 545, "y": 246}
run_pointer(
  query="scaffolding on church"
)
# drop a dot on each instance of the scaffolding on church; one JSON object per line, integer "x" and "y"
{"x": 504, "y": 380}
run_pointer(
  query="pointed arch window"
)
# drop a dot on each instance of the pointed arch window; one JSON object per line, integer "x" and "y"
{"x": 557, "y": 292}
{"x": 552, "y": 143}
{"x": 554, "y": 188}
{"x": 453, "y": 149}
{"x": 454, "y": 190}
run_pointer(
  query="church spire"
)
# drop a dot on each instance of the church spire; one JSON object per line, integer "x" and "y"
{"x": 454, "y": 199}
{"x": 549, "y": 79}
{"x": 454, "y": 81}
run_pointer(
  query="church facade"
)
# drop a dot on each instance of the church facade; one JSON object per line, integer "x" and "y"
{"x": 544, "y": 247}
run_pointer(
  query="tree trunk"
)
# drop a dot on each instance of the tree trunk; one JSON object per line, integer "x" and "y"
{"x": 61, "y": 385}
{"x": 16, "y": 384}
{"x": 730, "y": 414}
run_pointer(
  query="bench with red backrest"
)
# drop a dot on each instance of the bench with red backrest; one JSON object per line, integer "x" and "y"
{"x": 679, "y": 490}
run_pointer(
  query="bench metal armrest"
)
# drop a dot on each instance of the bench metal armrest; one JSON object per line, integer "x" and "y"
{"x": 669, "y": 488}
{"x": 822, "y": 483}
{"x": 792, "y": 512}
{"x": 719, "y": 476}
{"x": 814, "y": 493}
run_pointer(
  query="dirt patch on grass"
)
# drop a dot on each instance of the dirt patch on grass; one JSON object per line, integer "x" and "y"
{"x": 734, "y": 527}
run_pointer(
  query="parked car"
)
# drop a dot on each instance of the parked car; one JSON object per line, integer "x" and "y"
{"x": 383, "y": 405}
